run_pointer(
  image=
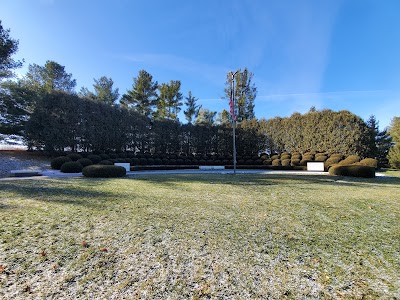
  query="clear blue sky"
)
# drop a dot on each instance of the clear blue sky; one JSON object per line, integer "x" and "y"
{"x": 328, "y": 54}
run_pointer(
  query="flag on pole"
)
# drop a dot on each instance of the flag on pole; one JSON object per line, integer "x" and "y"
{"x": 232, "y": 108}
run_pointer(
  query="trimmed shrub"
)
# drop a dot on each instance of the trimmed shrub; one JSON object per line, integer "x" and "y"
{"x": 94, "y": 158}
{"x": 249, "y": 162}
{"x": 180, "y": 161}
{"x": 267, "y": 162}
{"x": 85, "y": 162}
{"x": 103, "y": 171}
{"x": 308, "y": 157}
{"x": 105, "y": 163}
{"x": 74, "y": 156}
{"x": 371, "y": 162}
{"x": 295, "y": 162}
{"x": 304, "y": 162}
{"x": 113, "y": 155}
{"x": 332, "y": 161}
{"x": 285, "y": 162}
{"x": 71, "y": 167}
{"x": 352, "y": 170}
{"x": 296, "y": 156}
{"x": 321, "y": 158}
{"x": 350, "y": 160}
{"x": 241, "y": 162}
{"x": 135, "y": 161}
{"x": 264, "y": 157}
{"x": 158, "y": 161}
{"x": 57, "y": 162}
{"x": 276, "y": 162}
{"x": 285, "y": 156}
{"x": 150, "y": 161}
{"x": 258, "y": 162}
{"x": 121, "y": 155}
{"x": 142, "y": 161}
{"x": 275, "y": 156}
{"x": 172, "y": 161}
{"x": 165, "y": 161}
{"x": 202, "y": 162}
{"x": 104, "y": 156}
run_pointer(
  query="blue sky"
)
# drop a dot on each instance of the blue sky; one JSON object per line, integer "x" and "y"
{"x": 339, "y": 54}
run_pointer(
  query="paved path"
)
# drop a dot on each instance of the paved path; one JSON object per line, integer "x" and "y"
{"x": 58, "y": 174}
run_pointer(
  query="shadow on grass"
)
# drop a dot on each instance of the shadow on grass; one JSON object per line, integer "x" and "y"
{"x": 266, "y": 179}
{"x": 56, "y": 191}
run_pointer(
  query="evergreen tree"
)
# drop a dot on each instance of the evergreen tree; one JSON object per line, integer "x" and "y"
{"x": 8, "y": 47}
{"x": 169, "y": 101}
{"x": 192, "y": 110}
{"x": 103, "y": 91}
{"x": 394, "y": 152}
{"x": 143, "y": 95}
{"x": 373, "y": 132}
{"x": 50, "y": 77}
{"x": 206, "y": 117}
{"x": 245, "y": 94}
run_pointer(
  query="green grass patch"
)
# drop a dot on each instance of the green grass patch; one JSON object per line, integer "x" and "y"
{"x": 200, "y": 236}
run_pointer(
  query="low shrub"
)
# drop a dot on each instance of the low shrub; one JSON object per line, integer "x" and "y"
{"x": 371, "y": 162}
{"x": 296, "y": 156}
{"x": 249, "y": 162}
{"x": 304, "y": 162}
{"x": 74, "y": 156}
{"x": 285, "y": 162}
{"x": 352, "y": 170}
{"x": 241, "y": 162}
{"x": 264, "y": 157}
{"x": 258, "y": 162}
{"x": 275, "y": 156}
{"x": 321, "y": 158}
{"x": 104, "y": 171}
{"x": 267, "y": 162}
{"x": 113, "y": 155}
{"x": 121, "y": 155}
{"x": 104, "y": 156}
{"x": 105, "y": 162}
{"x": 295, "y": 162}
{"x": 276, "y": 162}
{"x": 57, "y": 162}
{"x": 165, "y": 161}
{"x": 158, "y": 161}
{"x": 142, "y": 161}
{"x": 285, "y": 156}
{"x": 71, "y": 167}
{"x": 172, "y": 161}
{"x": 202, "y": 162}
{"x": 85, "y": 162}
{"x": 350, "y": 160}
{"x": 332, "y": 160}
{"x": 94, "y": 158}
{"x": 150, "y": 161}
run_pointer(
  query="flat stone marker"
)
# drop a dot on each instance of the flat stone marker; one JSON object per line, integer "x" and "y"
{"x": 315, "y": 166}
{"x": 25, "y": 173}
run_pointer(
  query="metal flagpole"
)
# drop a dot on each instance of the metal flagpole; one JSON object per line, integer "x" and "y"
{"x": 234, "y": 121}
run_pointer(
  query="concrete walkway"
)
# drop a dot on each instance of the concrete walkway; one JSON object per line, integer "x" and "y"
{"x": 58, "y": 174}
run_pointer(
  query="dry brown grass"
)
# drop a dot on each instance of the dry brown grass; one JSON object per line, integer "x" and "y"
{"x": 200, "y": 237}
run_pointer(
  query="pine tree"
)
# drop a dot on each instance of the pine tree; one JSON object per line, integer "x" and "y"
{"x": 245, "y": 94}
{"x": 394, "y": 152}
{"x": 373, "y": 132}
{"x": 143, "y": 95}
{"x": 192, "y": 110}
{"x": 169, "y": 101}
{"x": 8, "y": 47}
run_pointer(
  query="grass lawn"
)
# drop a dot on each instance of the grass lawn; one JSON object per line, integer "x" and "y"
{"x": 199, "y": 237}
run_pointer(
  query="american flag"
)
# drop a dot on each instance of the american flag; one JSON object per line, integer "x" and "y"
{"x": 232, "y": 108}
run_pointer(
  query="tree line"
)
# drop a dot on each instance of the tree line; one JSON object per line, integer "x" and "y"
{"x": 44, "y": 106}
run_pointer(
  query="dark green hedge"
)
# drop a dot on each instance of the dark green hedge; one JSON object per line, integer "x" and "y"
{"x": 57, "y": 162}
{"x": 74, "y": 156}
{"x": 103, "y": 171}
{"x": 71, "y": 167}
{"x": 352, "y": 170}
{"x": 85, "y": 162}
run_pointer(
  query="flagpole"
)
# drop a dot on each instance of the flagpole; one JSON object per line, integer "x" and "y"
{"x": 234, "y": 121}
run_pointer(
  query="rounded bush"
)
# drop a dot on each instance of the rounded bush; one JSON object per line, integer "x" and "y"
{"x": 249, "y": 162}
{"x": 85, "y": 162}
{"x": 332, "y": 161}
{"x": 202, "y": 162}
{"x": 180, "y": 161}
{"x": 276, "y": 162}
{"x": 258, "y": 162}
{"x": 104, "y": 156}
{"x": 275, "y": 156}
{"x": 165, "y": 161}
{"x": 295, "y": 162}
{"x": 57, "y": 162}
{"x": 135, "y": 161}
{"x": 285, "y": 162}
{"x": 188, "y": 161}
{"x": 352, "y": 170}
{"x": 267, "y": 162}
{"x": 104, "y": 171}
{"x": 150, "y": 161}
{"x": 142, "y": 161}
{"x": 371, "y": 162}
{"x": 121, "y": 155}
{"x": 71, "y": 167}
{"x": 308, "y": 157}
{"x": 172, "y": 162}
{"x": 74, "y": 156}
{"x": 158, "y": 161}
{"x": 351, "y": 159}
{"x": 296, "y": 156}
{"x": 264, "y": 157}
{"x": 321, "y": 158}
{"x": 304, "y": 162}
{"x": 285, "y": 156}
{"x": 94, "y": 158}
{"x": 241, "y": 162}
{"x": 113, "y": 155}
{"x": 105, "y": 163}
